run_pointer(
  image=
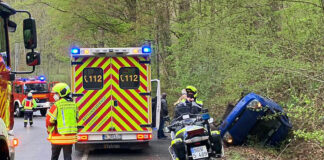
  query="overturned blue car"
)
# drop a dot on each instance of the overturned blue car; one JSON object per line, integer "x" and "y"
{"x": 258, "y": 117}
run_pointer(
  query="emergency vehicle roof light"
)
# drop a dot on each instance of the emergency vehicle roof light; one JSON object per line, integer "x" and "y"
{"x": 42, "y": 78}
{"x": 75, "y": 51}
{"x": 146, "y": 49}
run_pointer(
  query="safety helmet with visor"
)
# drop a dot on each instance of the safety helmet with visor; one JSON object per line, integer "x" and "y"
{"x": 30, "y": 94}
{"x": 191, "y": 91}
{"x": 62, "y": 89}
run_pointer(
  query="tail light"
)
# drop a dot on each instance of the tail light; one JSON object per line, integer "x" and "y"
{"x": 255, "y": 104}
{"x": 15, "y": 142}
{"x": 144, "y": 136}
{"x": 197, "y": 143}
{"x": 82, "y": 137}
{"x": 228, "y": 138}
{"x": 196, "y": 132}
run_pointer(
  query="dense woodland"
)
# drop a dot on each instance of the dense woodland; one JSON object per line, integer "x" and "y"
{"x": 271, "y": 47}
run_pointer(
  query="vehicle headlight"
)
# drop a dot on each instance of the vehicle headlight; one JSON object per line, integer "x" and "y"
{"x": 255, "y": 104}
{"x": 228, "y": 138}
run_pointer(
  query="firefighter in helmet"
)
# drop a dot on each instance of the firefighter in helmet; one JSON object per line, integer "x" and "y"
{"x": 190, "y": 105}
{"x": 29, "y": 104}
{"x": 61, "y": 122}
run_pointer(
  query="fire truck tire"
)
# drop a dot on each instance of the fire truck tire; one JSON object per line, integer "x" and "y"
{"x": 43, "y": 112}
{"x": 18, "y": 111}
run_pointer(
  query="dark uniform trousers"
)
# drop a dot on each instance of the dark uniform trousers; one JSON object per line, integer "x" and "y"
{"x": 28, "y": 114}
{"x": 67, "y": 151}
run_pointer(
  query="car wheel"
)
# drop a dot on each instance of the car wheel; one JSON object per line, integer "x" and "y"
{"x": 43, "y": 112}
{"x": 18, "y": 111}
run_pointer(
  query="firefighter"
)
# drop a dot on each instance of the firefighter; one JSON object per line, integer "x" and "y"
{"x": 61, "y": 122}
{"x": 29, "y": 104}
{"x": 190, "y": 105}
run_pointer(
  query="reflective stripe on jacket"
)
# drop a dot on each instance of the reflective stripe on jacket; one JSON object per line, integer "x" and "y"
{"x": 61, "y": 122}
{"x": 55, "y": 138}
{"x": 29, "y": 104}
{"x": 66, "y": 117}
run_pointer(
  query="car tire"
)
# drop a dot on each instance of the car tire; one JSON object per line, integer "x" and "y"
{"x": 80, "y": 148}
{"x": 18, "y": 111}
{"x": 43, "y": 112}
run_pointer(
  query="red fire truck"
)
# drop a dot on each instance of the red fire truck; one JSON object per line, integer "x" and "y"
{"x": 41, "y": 93}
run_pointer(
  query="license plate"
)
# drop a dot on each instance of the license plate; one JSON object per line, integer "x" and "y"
{"x": 199, "y": 152}
{"x": 111, "y": 146}
{"x": 112, "y": 137}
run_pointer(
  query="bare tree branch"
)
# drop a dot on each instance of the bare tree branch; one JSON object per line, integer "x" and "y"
{"x": 77, "y": 15}
{"x": 47, "y": 4}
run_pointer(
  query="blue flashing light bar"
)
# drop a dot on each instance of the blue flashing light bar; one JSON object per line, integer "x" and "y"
{"x": 146, "y": 49}
{"x": 75, "y": 51}
{"x": 42, "y": 78}
{"x": 205, "y": 116}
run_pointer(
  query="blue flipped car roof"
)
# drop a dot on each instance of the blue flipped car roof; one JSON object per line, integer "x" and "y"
{"x": 241, "y": 120}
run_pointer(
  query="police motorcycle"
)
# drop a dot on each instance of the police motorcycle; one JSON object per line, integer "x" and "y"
{"x": 193, "y": 139}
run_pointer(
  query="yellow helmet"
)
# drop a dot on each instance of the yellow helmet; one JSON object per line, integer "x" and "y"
{"x": 62, "y": 89}
{"x": 193, "y": 89}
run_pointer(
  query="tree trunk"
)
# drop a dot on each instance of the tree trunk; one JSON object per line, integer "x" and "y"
{"x": 184, "y": 7}
{"x": 163, "y": 36}
{"x": 275, "y": 20}
{"x": 212, "y": 17}
{"x": 131, "y": 7}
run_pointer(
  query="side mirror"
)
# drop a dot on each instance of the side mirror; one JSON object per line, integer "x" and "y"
{"x": 12, "y": 26}
{"x": 33, "y": 59}
{"x": 29, "y": 31}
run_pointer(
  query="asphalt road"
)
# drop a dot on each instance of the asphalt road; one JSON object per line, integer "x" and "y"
{"x": 33, "y": 145}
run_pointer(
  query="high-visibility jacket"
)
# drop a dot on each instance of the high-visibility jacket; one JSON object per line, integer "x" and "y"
{"x": 29, "y": 104}
{"x": 61, "y": 122}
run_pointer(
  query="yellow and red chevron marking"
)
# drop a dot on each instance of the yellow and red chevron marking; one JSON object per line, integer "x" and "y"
{"x": 2, "y": 64}
{"x": 132, "y": 107}
{"x": 95, "y": 104}
{"x": 3, "y": 68}
{"x": 4, "y": 79}
{"x": 3, "y": 98}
